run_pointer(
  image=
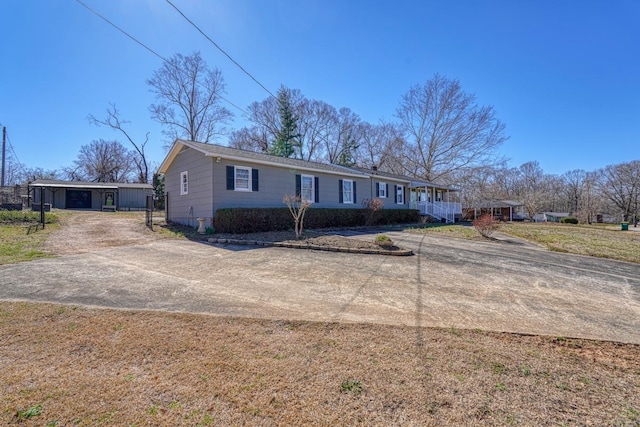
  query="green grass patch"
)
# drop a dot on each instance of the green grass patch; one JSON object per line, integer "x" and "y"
{"x": 22, "y": 237}
{"x": 24, "y": 217}
{"x": 597, "y": 241}
{"x": 450, "y": 230}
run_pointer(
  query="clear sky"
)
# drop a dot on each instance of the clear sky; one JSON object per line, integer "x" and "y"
{"x": 563, "y": 75}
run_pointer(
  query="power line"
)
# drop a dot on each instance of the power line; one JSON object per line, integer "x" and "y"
{"x": 325, "y": 137}
{"x": 148, "y": 48}
{"x": 14, "y": 154}
{"x": 220, "y": 49}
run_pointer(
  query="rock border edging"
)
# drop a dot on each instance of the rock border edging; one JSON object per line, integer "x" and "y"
{"x": 295, "y": 245}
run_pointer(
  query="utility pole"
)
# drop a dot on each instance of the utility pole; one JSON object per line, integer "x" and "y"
{"x": 4, "y": 152}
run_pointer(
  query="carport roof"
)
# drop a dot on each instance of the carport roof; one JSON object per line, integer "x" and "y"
{"x": 82, "y": 184}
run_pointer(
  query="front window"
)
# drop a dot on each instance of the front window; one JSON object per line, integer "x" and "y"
{"x": 184, "y": 183}
{"x": 400, "y": 195}
{"x": 306, "y": 188}
{"x": 382, "y": 190}
{"x": 347, "y": 191}
{"x": 242, "y": 178}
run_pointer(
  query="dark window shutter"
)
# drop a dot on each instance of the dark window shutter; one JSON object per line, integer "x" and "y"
{"x": 404, "y": 195}
{"x": 298, "y": 185}
{"x": 395, "y": 194}
{"x": 254, "y": 179}
{"x": 231, "y": 179}
{"x": 354, "y": 192}
{"x": 386, "y": 191}
{"x": 316, "y": 181}
{"x": 377, "y": 189}
{"x": 340, "y": 196}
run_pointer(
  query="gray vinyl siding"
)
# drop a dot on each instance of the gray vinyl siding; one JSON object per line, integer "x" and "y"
{"x": 330, "y": 192}
{"x": 275, "y": 182}
{"x": 200, "y": 195}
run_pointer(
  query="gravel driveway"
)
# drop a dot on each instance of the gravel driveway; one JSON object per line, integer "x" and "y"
{"x": 448, "y": 283}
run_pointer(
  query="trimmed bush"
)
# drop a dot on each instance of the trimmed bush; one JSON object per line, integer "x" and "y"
{"x": 569, "y": 220}
{"x": 252, "y": 220}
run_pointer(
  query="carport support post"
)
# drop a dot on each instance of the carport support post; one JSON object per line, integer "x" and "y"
{"x": 42, "y": 206}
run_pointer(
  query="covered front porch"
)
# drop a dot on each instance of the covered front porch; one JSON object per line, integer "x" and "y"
{"x": 437, "y": 201}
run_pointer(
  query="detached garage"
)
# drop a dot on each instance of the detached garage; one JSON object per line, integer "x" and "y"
{"x": 90, "y": 195}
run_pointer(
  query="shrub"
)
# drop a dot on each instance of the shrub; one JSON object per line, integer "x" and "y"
{"x": 371, "y": 206}
{"x": 251, "y": 220}
{"x": 485, "y": 225}
{"x": 383, "y": 240}
{"x": 569, "y": 220}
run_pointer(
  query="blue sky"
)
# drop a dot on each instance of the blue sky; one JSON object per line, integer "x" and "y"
{"x": 564, "y": 76}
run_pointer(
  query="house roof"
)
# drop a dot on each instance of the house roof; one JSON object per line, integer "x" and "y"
{"x": 498, "y": 204}
{"x": 82, "y": 184}
{"x": 413, "y": 182}
{"x": 214, "y": 150}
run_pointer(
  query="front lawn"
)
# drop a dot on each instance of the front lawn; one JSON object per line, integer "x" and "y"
{"x": 446, "y": 230}
{"x": 592, "y": 240}
{"x": 22, "y": 237}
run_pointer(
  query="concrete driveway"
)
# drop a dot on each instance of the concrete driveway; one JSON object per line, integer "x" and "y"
{"x": 448, "y": 283}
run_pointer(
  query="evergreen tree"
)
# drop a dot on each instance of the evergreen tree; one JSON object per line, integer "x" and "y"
{"x": 346, "y": 157}
{"x": 288, "y": 137}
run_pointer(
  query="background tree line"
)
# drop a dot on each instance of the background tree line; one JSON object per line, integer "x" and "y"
{"x": 439, "y": 133}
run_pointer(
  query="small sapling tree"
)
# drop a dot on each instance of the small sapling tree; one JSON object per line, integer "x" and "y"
{"x": 298, "y": 207}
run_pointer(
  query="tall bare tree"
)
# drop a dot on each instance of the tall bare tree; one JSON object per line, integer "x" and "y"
{"x": 114, "y": 121}
{"x": 189, "y": 97}
{"x": 380, "y": 147}
{"x": 531, "y": 187}
{"x": 102, "y": 161}
{"x": 446, "y": 130}
{"x": 621, "y": 185}
{"x": 344, "y": 137}
{"x": 574, "y": 186}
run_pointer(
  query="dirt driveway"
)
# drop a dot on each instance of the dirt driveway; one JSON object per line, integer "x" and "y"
{"x": 448, "y": 283}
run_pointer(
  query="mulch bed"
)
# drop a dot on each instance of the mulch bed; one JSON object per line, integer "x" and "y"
{"x": 326, "y": 241}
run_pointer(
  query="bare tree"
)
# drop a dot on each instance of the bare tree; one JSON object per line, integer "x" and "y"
{"x": 102, "y": 161}
{"x": 483, "y": 185}
{"x": 314, "y": 124}
{"x": 380, "y": 147}
{"x": 344, "y": 137}
{"x": 189, "y": 97}
{"x": 592, "y": 200}
{"x": 298, "y": 207}
{"x": 266, "y": 125}
{"x": 531, "y": 187}
{"x": 313, "y": 120}
{"x": 621, "y": 185}
{"x": 32, "y": 174}
{"x": 446, "y": 130}
{"x": 114, "y": 121}
{"x": 574, "y": 182}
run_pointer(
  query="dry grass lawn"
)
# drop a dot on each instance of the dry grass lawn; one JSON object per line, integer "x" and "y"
{"x": 67, "y": 366}
{"x": 593, "y": 240}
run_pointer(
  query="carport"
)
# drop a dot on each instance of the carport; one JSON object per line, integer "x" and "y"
{"x": 90, "y": 195}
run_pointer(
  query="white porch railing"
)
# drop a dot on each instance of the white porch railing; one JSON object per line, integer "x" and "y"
{"x": 439, "y": 210}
